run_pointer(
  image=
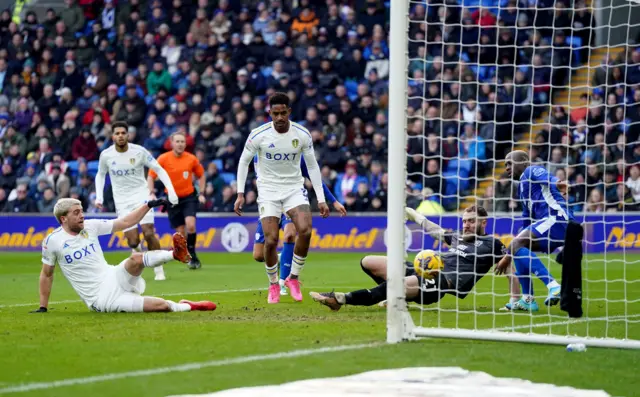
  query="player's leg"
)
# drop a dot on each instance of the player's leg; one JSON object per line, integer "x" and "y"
{"x": 258, "y": 244}
{"x": 133, "y": 238}
{"x": 526, "y": 262}
{"x": 137, "y": 262}
{"x": 424, "y": 291}
{"x": 153, "y": 244}
{"x": 130, "y": 302}
{"x": 151, "y": 304}
{"x": 375, "y": 266}
{"x": 286, "y": 255}
{"x": 298, "y": 210}
{"x": 177, "y": 222}
{"x": 271, "y": 229}
{"x": 189, "y": 210}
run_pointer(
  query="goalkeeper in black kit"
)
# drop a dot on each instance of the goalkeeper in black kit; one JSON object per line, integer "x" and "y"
{"x": 471, "y": 255}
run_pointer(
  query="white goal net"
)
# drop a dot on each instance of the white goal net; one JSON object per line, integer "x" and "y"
{"x": 472, "y": 80}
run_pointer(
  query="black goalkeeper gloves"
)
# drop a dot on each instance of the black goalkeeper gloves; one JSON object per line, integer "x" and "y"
{"x": 42, "y": 309}
{"x": 158, "y": 203}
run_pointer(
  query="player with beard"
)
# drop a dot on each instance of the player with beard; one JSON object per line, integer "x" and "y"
{"x": 471, "y": 255}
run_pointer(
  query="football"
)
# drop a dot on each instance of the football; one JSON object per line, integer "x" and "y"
{"x": 426, "y": 263}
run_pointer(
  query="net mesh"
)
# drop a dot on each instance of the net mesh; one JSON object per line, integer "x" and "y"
{"x": 489, "y": 77}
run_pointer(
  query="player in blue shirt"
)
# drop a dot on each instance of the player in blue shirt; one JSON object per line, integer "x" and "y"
{"x": 546, "y": 216}
{"x": 286, "y": 255}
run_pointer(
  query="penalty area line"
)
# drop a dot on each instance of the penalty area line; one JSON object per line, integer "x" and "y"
{"x": 181, "y": 368}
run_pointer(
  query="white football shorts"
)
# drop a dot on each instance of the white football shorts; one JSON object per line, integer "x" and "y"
{"x": 286, "y": 201}
{"x": 120, "y": 291}
{"x": 124, "y": 209}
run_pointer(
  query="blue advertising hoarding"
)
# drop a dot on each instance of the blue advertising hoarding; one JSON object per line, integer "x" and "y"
{"x": 366, "y": 233}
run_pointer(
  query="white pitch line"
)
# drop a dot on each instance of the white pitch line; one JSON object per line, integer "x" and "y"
{"x": 224, "y": 291}
{"x": 179, "y": 368}
{"x": 568, "y": 322}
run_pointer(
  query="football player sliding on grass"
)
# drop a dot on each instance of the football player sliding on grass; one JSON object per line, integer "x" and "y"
{"x": 75, "y": 247}
{"x": 471, "y": 255}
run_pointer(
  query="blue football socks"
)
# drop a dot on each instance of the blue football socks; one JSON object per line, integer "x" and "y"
{"x": 286, "y": 257}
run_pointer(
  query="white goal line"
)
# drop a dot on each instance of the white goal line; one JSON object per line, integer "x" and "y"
{"x": 180, "y": 368}
{"x": 568, "y": 322}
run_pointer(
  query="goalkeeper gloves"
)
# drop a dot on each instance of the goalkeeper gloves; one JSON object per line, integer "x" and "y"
{"x": 42, "y": 309}
{"x": 157, "y": 203}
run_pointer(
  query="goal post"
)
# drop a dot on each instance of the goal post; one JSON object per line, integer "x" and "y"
{"x": 397, "y": 327}
{"x": 611, "y": 283}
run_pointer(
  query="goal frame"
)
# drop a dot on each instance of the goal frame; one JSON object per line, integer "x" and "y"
{"x": 400, "y": 324}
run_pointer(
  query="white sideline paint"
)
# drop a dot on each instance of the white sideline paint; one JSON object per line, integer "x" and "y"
{"x": 180, "y": 368}
{"x": 432, "y": 382}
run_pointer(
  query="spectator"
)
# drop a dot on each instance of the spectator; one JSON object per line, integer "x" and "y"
{"x": 84, "y": 146}
{"x": 158, "y": 78}
{"x": 22, "y": 203}
{"x": 633, "y": 182}
{"x": 348, "y": 182}
{"x": 59, "y": 181}
{"x": 305, "y": 22}
{"x": 48, "y": 201}
{"x": 431, "y": 203}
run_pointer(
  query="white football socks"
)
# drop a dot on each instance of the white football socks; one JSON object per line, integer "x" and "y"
{"x": 297, "y": 264}
{"x": 179, "y": 307}
{"x": 159, "y": 270}
{"x": 553, "y": 284}
{"x": 272, "y": 273}
{"x": 156, "y": 258}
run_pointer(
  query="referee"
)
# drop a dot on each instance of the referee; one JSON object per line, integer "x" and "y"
{"x": 181, "y": 167}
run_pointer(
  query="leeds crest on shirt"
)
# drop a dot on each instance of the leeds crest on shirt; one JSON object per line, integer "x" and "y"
{"x": 132, "y": 161}
{"x": 295, "y": 143}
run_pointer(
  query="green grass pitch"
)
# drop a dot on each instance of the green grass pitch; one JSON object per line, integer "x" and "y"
{"x": 70, "y": 342}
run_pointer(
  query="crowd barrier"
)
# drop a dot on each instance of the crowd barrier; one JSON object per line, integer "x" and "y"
{"x": 359, "y": 233}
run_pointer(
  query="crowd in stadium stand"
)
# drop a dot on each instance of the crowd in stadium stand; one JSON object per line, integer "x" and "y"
{"x": 478, "y": 77}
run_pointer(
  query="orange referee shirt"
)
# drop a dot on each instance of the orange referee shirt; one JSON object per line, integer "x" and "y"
{"x": 181, "y": 170}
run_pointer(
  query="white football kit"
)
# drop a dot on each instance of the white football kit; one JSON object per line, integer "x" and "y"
{"x": 281, "y": 184}
{"x": 128, "y": 179}
{"x": 102, "y": 287}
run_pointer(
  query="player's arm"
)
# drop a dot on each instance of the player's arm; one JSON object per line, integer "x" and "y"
{"x": 248, "y": 153}
{"x": 434, "y": 230}
{"x": 153, "y": 165}
{"x": 46, "y": 275}
{"x": 563, "y": 187}
{"x": 331, "y": 199}
{"x": 198, "y": 171}
{"x": 46, "y": 282}
{"x": 151, "y": 183}
{"x": 133, "y": 218}
{"x": 315, "y": 176}
{"x": 103, "y": 169}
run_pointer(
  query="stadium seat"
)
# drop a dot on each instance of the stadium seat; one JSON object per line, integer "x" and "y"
{"x": 352, "y": 87}
{"x": 72, "y": 166}
{"x": 228, "y": 177}
{"x": 92, "y": 167}
{"x": 218, "y": 164}
{"x": 575, "y": 43}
